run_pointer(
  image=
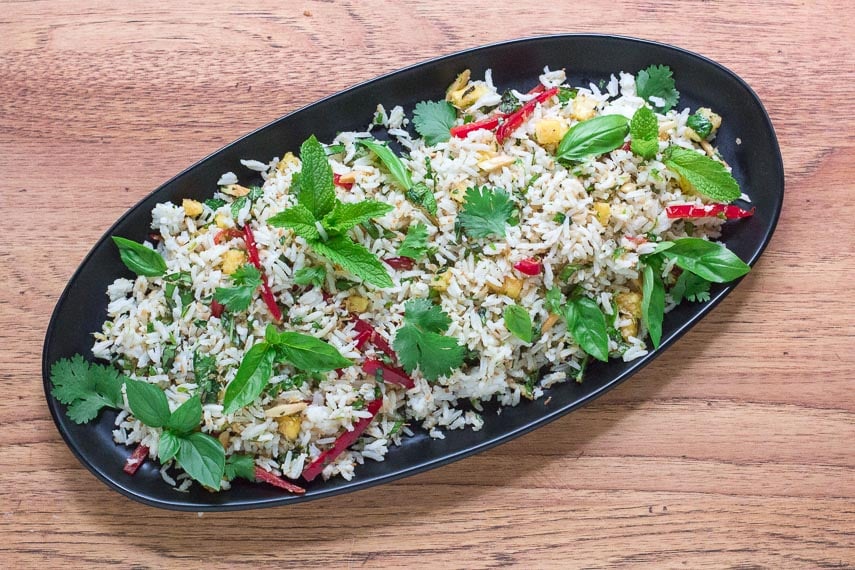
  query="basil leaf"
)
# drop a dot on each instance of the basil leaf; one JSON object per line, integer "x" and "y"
{"x": 593, "y": 137}
{"x": 186, "y": 417}
{"x": 148, "y": 403}
{"x": 554, "y": 301}
{"x": 139, "y": 258}
{"x": 168, "y": 446}
{"x": 699, "y": 173}
{"x": 710, "y": 260}
{"x": 653, "y": 301}
{"x": 390, "y": 160}
{"x": 587, "y": 325}
{"x": 252, "y": 376}
{"x": 203, "y": 458}
{"x": 317, "y": 191}
{"x": 240, "y": 465}
{"x": 307, "y": 352}
{"x": 518, "y": 322}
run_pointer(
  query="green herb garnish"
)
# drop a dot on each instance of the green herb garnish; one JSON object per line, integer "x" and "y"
{"x": 518, "y": 322}
{"x": 644, "y": 133}
{"x": 421, "y": 343}
{"x": 433, "y": 120}
{"x": 657, "y": 81}
{"x": 700, "y": 124}
{"x": 238, "y": 298}
{"x": 415, "y": 244}
{"x": 593, "y": 137}
{"x": 485, "y": 212}
{"x": 140, "y": 259}
{"x": 310, "y": 276}
{"x": 699, "y": 173}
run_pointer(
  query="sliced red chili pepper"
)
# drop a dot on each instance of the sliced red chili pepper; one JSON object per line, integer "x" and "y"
{"x": 342, "y": 442}
{"x": 136, "y": 459}
{"x": 627, "y": 145}
{"x": 217, "y": 309}
{"x": 537, "y": 89}
{"x": 271, "y": 479}
{"x": 266, "y": 291}
{"x": 363, "y": 338}
{"x": 362, "y": 327}
{"x": 513, "y": 121}
{"x": 390, "y": 374}
{"x": 399, "y": 262}
{"x": 488, "y": 124}
{"x": 227, "y": 234}
{"x": 529, "y": 266}
{"x": 337, "y": 181}
{"x": 729, "y": 211}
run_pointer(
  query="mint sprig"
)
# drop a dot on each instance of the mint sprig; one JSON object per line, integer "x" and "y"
{"x": 644, "y": 133}
{"x": 699, "y": 173}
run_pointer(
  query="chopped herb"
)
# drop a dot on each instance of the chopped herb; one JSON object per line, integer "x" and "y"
{"x": 310, "y": 276}
{"x": 486, "y": 212}
{"x": 334, "y": 149}
{"x": 509, "y": 102}
{"x": 345, "y": 284}
{"x": 215, "y": 203}
{"x": 205, "y": 373}
{"x": 700, "y": 124}
{"x": 370, "y": 229}
{"x": 559, "y": 218}
{"x": 566, "y": 95}
{"x": 421, "y": 343}
{"x": 238, "y": 298}
{"x": 239, "y": 205}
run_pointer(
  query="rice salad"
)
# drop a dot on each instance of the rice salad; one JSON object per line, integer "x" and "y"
{"x": 322, "y": 305}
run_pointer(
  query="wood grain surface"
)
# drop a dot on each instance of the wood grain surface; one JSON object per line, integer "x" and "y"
{"x": 733, "y": 449}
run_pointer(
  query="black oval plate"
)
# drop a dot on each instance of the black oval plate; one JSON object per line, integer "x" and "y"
{"x": 756, "y": 165}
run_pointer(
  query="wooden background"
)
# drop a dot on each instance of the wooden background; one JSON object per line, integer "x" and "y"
{"x": 735, "y": 448}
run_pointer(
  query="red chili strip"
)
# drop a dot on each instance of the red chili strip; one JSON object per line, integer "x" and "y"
{"x": 537, "y": 89}
{"x": 362, "y": 327}
{"x": 729, "y": 212}
{"x": 529, "y": 266}
{"x": 513, "y": 121}
{"x": 399, "y": 262}
{"x": 217, "y": 309}
{"x": 389, "y": 374}
{"x": 136, "y": 459}
{"x": 266, "y": 291}
{"x": 342, "y": 442}
{"x": 362, "y": 339}
{"x": 226, "y": 235}
{"x": 271, "y": 479}
{"x": 488, "y": 124}
{"x": 337, "y": 181}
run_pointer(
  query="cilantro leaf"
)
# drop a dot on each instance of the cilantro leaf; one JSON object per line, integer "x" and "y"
{"x": 699, "y": 173}
{"x": 247, "y": 279}
{"x": 421, "y": 344}
{"x": 644, "y": 133}
{"x": 252, "y": 376}
{"x": 85, "y": 388}
{"x": 147, "y": 402}
{"x": 346, "y": 216}
{"x": 690, "y": 286}
{"x": 657, "y": 81}
{"x": 317, "y": 191}
{"x": 297, "y": 218}
{"x": 355, "y": 259}
{"x": 203, "y": 458}
{"x": 240, "y": 465}
{"x": 310, "y": 276}
{"x": 518, "y": 322}
{"x": 140, "y": 259}
{"x": 433, "y": 120}
{"x": 415, "y": 244}
{"x": 486, "y": 212}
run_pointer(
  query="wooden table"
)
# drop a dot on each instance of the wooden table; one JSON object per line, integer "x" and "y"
{"x": 735, "y": 448}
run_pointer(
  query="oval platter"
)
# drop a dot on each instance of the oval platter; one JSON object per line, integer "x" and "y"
{"x": 746, "y": 140}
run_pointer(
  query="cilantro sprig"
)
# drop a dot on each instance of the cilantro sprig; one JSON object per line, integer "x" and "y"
{"x": 433, "y": 120}
{"x": 486, "y": 212}
{"x": 657, "y": 81}
{"x": 85, "y": 388}
{"x": 323, "y": 221}
{"x": 415, "y": 244}
{"x": 421, "y": 343}
{"x": 238, "y": 298}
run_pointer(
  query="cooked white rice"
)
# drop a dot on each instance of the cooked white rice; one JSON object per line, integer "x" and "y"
{"x": 140, "y": 322}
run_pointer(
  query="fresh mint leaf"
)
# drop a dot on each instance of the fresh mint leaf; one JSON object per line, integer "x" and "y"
{"x": 657, "y": 81}
{"x": 518, "y": 322}
{"x": 344, "y": 217}
{"x": 147, "y": 402}
{"x": 653, "y": 300}
{"x": 247, "y": 280}
{"x": 203, "y": 458}
{"x": 420, "y": 343}
{"x": 139, "y": 258}
{"x": 252, "y": 376}
{"x": 240, "y": 465}
{"x": 415, "y": 244}
{"x": 390, "y": 160}
{"x": 299, "y": 219}
{"x": 709, "y": 260}
{"x": 700, "y": 124}
{"x": 167, "y": 446}
{"x": 305, "y": 352}
{"x": 422, "y": 196}
{"x": 317, "y": 191}
{"x": 699, "y": 173}
{"x": 355, "y": 259}
{"x": 587, "y": 325}
{"x": 186, "y": 417}
{"x": 433, "y": 121}
{"x": 310, "y": 276}
{"x": 486, "y": 212}
{"x": 690, "y": 286}
{"x": 592, "y": 138}
{"x": 644, "y": 133}
{"x": 85, "y": 388}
